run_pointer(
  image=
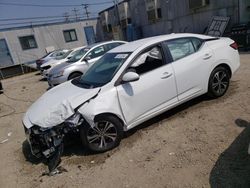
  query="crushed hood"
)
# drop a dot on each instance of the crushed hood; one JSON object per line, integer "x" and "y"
{"x": 57, "y": 104}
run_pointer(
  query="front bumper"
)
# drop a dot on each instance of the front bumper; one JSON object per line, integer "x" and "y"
{"x": 43, "y": 142}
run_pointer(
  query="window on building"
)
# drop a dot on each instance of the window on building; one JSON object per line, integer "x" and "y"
{"x": 153, "y": 10}
{"x": 154, "y": 14}
{"x": 70, "y": 35}
{"x": 28, "y": 42}
{"x": 107, "y": 28}
{"x": 197, "y": 3}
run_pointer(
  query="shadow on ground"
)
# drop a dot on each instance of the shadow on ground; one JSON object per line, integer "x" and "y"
{"x": 232, "y": 168}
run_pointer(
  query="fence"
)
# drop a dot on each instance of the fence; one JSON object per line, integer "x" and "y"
{"x": 14, "y": 70}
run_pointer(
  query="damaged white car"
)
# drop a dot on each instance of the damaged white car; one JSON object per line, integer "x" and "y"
{"x": 127, "y": 86}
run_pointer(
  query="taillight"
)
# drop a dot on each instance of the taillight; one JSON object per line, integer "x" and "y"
{"x": 234, "y": 46}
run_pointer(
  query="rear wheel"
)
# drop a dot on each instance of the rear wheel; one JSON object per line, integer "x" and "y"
{"x": 105, "y": 135}
{"x": 218, "y": 82}
{"x": 74, "y": 75}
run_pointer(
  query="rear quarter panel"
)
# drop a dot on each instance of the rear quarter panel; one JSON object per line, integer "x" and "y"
{"x": 224, "y": 54}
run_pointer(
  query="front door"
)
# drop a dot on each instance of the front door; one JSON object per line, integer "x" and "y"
{"x": 5, "y": 57}
{"x": 153, "y": 92}
{"x": 90, "y": 34}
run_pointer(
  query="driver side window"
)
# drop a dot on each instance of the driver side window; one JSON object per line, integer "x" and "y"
{"x": 149, "y": 60}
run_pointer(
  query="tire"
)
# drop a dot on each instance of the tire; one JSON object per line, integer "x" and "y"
{"x": 74, "y": 75}
{"x": 218, "y": 82}
{"x": 97, "y": 139}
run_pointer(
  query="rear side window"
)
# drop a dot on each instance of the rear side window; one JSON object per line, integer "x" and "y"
{"x": 180, "y": 48}
{"x": 197, "y": 43}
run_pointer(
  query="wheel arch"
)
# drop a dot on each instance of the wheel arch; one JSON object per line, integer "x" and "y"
{"x": 79, "y": 72}
{"x": 226, "y": 66}
{"x": 111, "y": 114}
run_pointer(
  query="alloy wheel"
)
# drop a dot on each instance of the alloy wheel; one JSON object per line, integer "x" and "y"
{"x": 220, "y": 82}
{"x": 102, "y": 135}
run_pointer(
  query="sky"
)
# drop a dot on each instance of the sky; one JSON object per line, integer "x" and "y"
{"x": 12, "y": 15}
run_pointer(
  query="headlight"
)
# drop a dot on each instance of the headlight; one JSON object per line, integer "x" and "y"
{"x": 58, "y": 74}
{"x": 74, "y": 120}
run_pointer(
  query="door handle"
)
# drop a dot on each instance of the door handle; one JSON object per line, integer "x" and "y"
{"x": 166, "y": 75}
{"x": 207, "y": 56}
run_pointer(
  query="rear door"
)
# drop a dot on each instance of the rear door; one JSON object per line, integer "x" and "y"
{"x": 154, "y": 90}
{"x": 191, "y": 61}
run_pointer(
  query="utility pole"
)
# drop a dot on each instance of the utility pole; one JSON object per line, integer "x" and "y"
{"x": 66, "y": 16}
{"x": 76, "y": 13}
{"x": 86, "y": 6}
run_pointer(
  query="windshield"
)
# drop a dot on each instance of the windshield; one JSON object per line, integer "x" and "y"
{"x": 77, "y": 56}
{"x": 64, "y": 56}
{"x": 103, "y": 70}
{"x": 75, "y": 52}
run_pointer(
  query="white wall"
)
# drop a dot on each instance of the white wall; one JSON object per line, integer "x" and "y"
{"x": 50, "y": 35}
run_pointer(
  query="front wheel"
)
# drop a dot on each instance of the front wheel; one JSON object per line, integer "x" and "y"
{"x": 105, "y": 135}
{"x": 218, "y": 82}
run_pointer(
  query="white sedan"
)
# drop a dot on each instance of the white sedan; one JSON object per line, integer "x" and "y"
{"x": 129, "y": 85}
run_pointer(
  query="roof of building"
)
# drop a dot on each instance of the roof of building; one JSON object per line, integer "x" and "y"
{"x": 142, "y": 43}
{"x": 45, "y": 24}
{"x": 109, "y": 8}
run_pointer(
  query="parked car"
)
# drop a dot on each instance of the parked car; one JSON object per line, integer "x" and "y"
{"x": 240, "y": 33}
{"x": 127, "y": 86}
{"x": 79, "y": 63}
{"x": 46, "y": 67}
{"x": 49, "y": 56}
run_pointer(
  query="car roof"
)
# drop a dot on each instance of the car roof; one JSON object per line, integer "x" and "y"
{"x": 106, "y": 42}
{"x": 78, "y": 48}
{"x": 132, "y": 46}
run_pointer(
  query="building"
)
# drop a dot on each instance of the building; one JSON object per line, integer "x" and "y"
{"x": 145, "y": 18}
{"x": 27, "y": 43}
{"x": 245, "y": 10}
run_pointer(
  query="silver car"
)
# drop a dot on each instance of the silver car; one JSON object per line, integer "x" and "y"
{"x": 80, "y": 62}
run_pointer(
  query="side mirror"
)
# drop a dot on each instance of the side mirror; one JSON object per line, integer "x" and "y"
{"x": 130, "y": 77}
{"x": 87, "y": 58}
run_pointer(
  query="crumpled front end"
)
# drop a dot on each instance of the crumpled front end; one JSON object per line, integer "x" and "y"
{"x": 44, "y": 141}
{"x": 48, "y": 142}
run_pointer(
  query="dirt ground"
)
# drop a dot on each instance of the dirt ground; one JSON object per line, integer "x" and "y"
{"x": 202, "y": 143}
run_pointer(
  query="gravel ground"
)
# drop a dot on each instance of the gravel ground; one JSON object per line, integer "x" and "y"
{"x": 202, "y": 143}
